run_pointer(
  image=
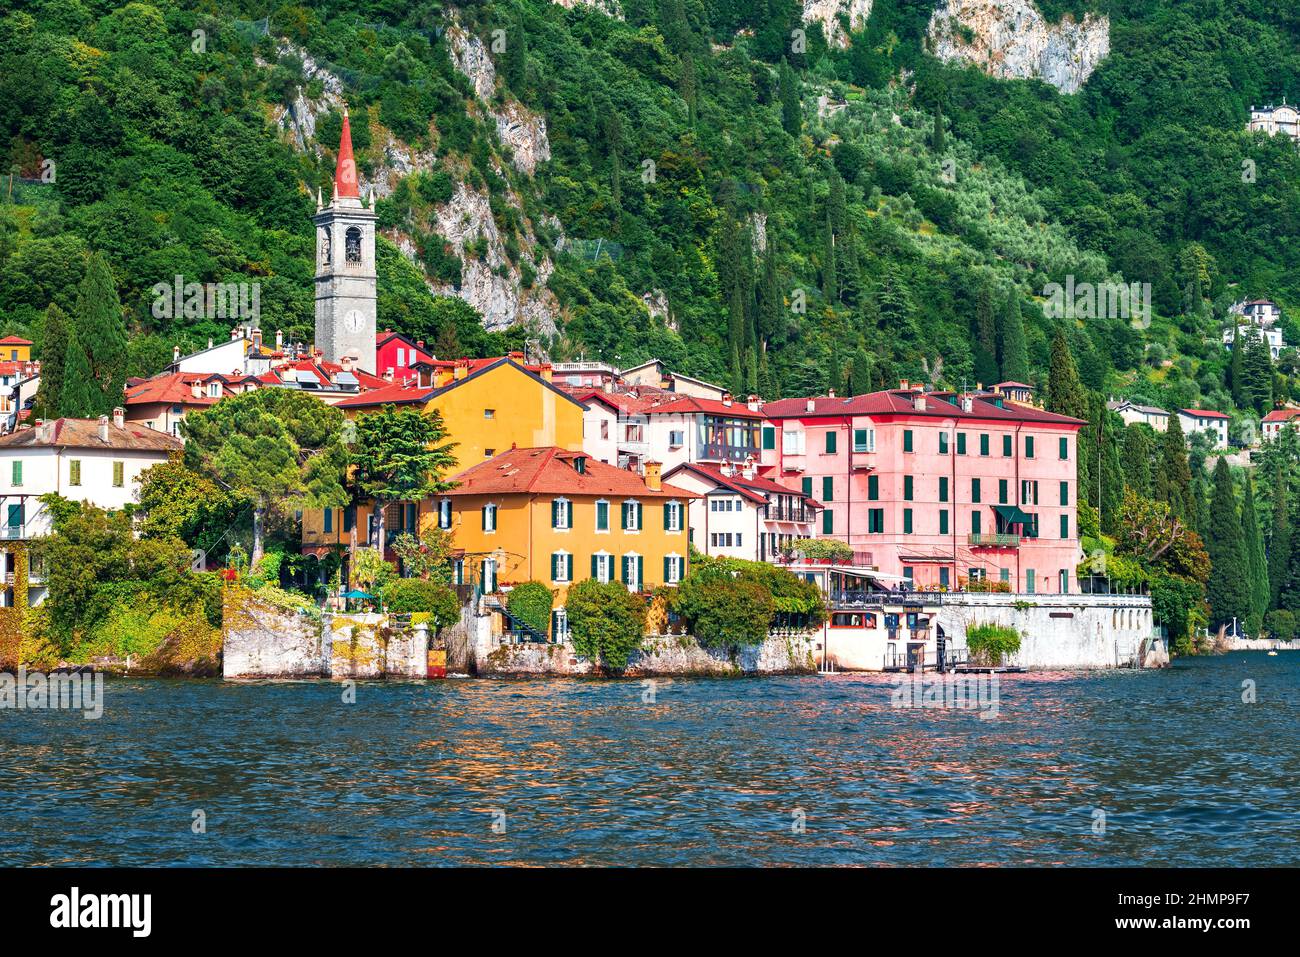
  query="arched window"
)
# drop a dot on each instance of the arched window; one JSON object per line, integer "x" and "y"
{"x": 352, "y": 241}
{"x": 325, "y": 244}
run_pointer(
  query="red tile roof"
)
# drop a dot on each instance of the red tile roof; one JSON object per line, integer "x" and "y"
{"x": 391, "y": 393}
{"x": 176, "y": 388}
{"x": 1205, "y": 413}
{"x": 691, "y": 405}
{"x": 901, "y": 402}
{"x": 755, "y": 489}
{"x": 550, "y": 471}
{"x": 15, "y": 341}
{"x": 84, "y": 433}
{"x": 1282, "y": 415}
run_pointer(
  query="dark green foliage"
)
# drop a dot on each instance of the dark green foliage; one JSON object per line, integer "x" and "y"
{"x": 398, "y": 454}
{"x": 1256, "y": 562}
{"x": 414, "y": 595}
{"x": 1228, "y": 591}
{"x": 531, "y": 602}
{"x": 606, "y": 622}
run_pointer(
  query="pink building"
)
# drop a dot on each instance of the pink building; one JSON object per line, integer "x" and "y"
{"x": 936, "y": 487}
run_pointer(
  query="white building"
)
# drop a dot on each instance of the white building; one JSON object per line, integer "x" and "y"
{"x": 1132, "y": 412}
{"x": 1205, "y": 420}
{"x": 1266, "y": 316}
{"x": 1272, "y": 119}
{"x": 740, "y": 515}
{"x": 1277, "y": 420}
{"x": 80, "y": 459}
{"x": 600, "y": 428}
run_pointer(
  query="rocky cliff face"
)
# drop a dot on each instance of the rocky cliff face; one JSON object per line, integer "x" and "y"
{"x": 611, "y": 7}
{"x": 830, "y": 13}
{"x": 1009, "y": 39}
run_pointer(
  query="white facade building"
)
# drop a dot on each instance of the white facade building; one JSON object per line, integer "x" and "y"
{"x": 1205, "y": 420}
{"x": 1272, "y": 119}
{"x": 1132, "y": 412}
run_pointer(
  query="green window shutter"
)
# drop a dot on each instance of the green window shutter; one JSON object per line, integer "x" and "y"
{"x": 907, "y": 487}
{"x": 907, "y": 521}
{"x": 1006, "y": 446}
{"x": 349, "y": 517}
{"x": 984, "y": 443}
{"x": 769, "y": 437}
{"x": 667, "y": 507}
{"x": 626, "y": 562}
{"x": 555, "y": 514}
{"x": 18, "y": 473}
{"x": 667, "y": 569}
{"x": 943, "y": 443}
{"x": 1002, "y": 491}
{"x": 568, "y": 567}
{"x": 943, "y": 521}
{"x": 74, "y": 472}
{"x": 859, "y": 440}
{"x": 329, "y": 519}
{"x": 485, "y": 517}
{"x": 828, "y": 489}
{"x": 640, "y": 572}
{"x": 1029, "y": 446}
{"x": 807, "y": 486}
{"x": 907, "y": 440}
{"x": 555, "y": 567}
{"x": 943, "y": 488}
{"x": 830, "y": 442}
{"x": 873, "y": 487}
{"x": 411, "y": 516}
{"x": 975, "y": 522}
{"x": 1065, "y": 495}
{"x": 1065, "y": 526}
{"x": 1065, "y": 447}
{"x": 828, "y": 522}
{"x": 975, "y": 490}
{"x": 961, "y": 443}
{"x": 16, "y": 515}
{"x": 595, "y": 570}
{"x": 602, "y": 516}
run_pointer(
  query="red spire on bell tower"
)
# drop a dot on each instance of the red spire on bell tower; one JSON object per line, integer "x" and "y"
{"x": 345, "y": 172}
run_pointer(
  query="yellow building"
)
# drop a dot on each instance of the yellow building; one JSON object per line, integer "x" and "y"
{"x": 15, "y": 349}
{"x": 487, "y": 406}
{"x": 558, "y": 517}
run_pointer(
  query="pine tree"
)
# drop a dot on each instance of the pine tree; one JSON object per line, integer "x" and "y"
{"x": 985, "y": 338}
{"x": 1172, "y": 481}
{"x": 1065, "y": 393}
{"x": 80, "y": 397}
{"x": 1235, "y": 368}
{"x": 101, "y": 330}
{"x": 860, "y": 377}
{"x": 1257, "y": 372}
{"x": 54, "y": 346}
{"x": 1014, "y": 353}
{"x": 791, "y": 107}
{"x": 1256, "y": 562}
{"x": 830, "y": 289}
{"x": 1139, "y": 451}
{"x": 1279, "y": 540}
{"x": 1227, "y": 591}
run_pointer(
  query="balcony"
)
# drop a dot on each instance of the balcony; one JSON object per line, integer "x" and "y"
{"x": 777, "y": 513}
{"x": 862, "y": 459}
{"x": 13, "y": 532}
{"x": 993, "y": 540}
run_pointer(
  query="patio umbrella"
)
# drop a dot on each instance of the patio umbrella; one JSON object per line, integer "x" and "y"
{"x": 355, "y": 594}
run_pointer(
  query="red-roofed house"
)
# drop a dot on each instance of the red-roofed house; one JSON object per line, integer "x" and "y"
{"x": 1205, "y": 420}
{"x": 398, "y": 355}
{"x": 741, "y": 515}
{"x": 1277, "y": 420}
{"x": 16, "y": 349}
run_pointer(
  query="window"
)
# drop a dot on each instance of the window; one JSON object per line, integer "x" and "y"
{"x": 1006, "y": 446}
{"x": 602, "y": 516}
{"x": 1029, "y": 580}
{"x": 489, "y": 576}
{"x": 876, "y": 521}
{"x": 1064, "y": 447}
{"x": 16, "y": 515}
{"x": 489, "y": 517}
{"x": 907, "y": 488}
{"x": 907, "y": 440}
{"x": 119, "y": 476}
{"x": 792, "y": 442}
{"x": 1065, "y": 493}
{"x": 602, "y": 565}
{"x": 1029, "y": 446}
{"x": 943, "y": 488}
{"x": 873, "y": 487}
{"x": 631, "y": 516}
{"x": 488, "y": 453}
{"x": 944, "y": 580}
{"x": 604, "y": 434}
{"x": 676, "y": 438}
{"x": 74, "y": 472}
{"x": 975, "y": 490}
{"x": 943, "y": 443}
{"x": 828, "y": 486}
{"x": 561, "y": 567}
{"x": 806, "y": 485}
{"x": 907, "y": 521}
{"x": 1004, "y": 574}
{"x": 674, "y": 565}
{"x": 864, "y": 440}
{"x": 943, "y": 521}
{"x": 1065, "y": 526}
{"x": 489, "y": 413}
{"x": 329, "y": 520}
{"x": 1002, "y": 491}
{"x": 561, "y": 514}
{"x": 444, "y": 513}
{"x": 673, "y": 516}
{"x": 975, "y": 522}
{"x": 1064, "y": 576}
{"x": 961, "y": 443}
{"x": 769, "y": 438}
{"x": 830, "y": 442}
{"x": 828, "y": 521}
{"x": 16, "y": 476}
{"x": 560, "y": 624}
{"x": 632, "y": 577}
{"x": 984, "y": 443}
{"x": 214, "y": 390}
{"x": 349, "y": 518}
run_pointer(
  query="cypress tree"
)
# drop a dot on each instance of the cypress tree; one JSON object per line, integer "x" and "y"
{"x": 54, "y": 346}
{"x": 1256, "y": 563}
{"x": 1172, "y": 481}
{"x": 1138, "y": 455}
{"x": 1227, "y": 591}
{"x": 687, "y": 88}
{"x": 1235, "y": 368}
{"x": 860, "y": 378}
{"x": 1014, "y": 353}
{"x": 770, "y": 303}
{"x": 80, "y": 397}
{"x": 830, "y": 289}
{"x": 937, "y": 143}
{"x": 985, "y": 336}
{"x": 1065, "y": 393}
{"x": 101, "y": 329}
{"x": 1279, "y": 540}
{"x": 791, "y": 108}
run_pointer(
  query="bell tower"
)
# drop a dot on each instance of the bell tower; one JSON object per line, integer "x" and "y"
{"x": 345, "y": 266}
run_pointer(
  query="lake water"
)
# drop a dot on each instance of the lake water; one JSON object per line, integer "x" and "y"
{"x": 584, "y": 772}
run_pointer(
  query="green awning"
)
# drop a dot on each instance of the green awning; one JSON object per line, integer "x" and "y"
{"x": 1012, "y": 515}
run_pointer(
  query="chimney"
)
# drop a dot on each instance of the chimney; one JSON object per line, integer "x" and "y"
{"x": 830, "y": 393}
{"x": 176, "y": 353}
{"x": 42, "y": 431}
{"x": 196, "y": 390}
{"x": 119, "y": 417}
{"x": 748, "y": 470}
{"x": 236, "y": 332}
{"x": 967, "y": 403}
{"x": 279, "y": 340}
{"x": 257, "y": 339}
{"x": 810, "y": 405}
{"x": 345, "y": 364}
{"x": 919, "y": 402}
{"x": 209, "y": 342}
{"x": 754, "y": 403}
{"x": 903, "y": 384}
{"x": 103, "y": 429}
{"x": 652, "y": 472}
{"x": 388, "y": 374}
{"x": 726, "y": 398}
{"x": 459, "y": 372}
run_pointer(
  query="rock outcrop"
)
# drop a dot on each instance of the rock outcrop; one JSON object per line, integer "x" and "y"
{"x": 1010, "y": 39}
{"x": 608, "y": 7}
{"x": 831, "y": 13}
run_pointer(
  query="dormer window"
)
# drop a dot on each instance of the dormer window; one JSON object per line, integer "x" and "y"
{"x": 214, "y": 390}
{"x": 580, "y": 464}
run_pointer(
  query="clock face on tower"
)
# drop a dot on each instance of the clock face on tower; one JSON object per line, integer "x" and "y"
{"x": 354, "y": 320}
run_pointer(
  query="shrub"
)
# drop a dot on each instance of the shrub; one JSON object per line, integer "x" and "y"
{"x": 606, "y": 622}
{"x": 530, "y": 602}
{"x": 725, "y": 612}
{"x": 1281, "y": 624}
{"x": 823, "y": 550}
{"x": 416, "y": 595}
{"x": 991, "y": 643}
